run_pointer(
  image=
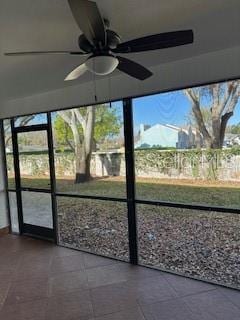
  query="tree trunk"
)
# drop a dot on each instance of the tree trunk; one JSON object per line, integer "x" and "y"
{"x": 224, "y": 122}
{"x": 84, "y": 152}
{"x": 199, "y": 119}
{"x": 224, "y": 101}
{"x": 82, "y": 168}
{"x": 216, "y": 124}
{"x": 198, "y": 140}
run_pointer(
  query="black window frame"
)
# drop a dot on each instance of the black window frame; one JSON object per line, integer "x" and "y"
{"x": 130, "y": 172}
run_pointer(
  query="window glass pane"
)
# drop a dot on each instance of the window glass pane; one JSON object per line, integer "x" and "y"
{"x": 89, "y": 150}
{"x": 201, "y": 244}
{"x": 9, "y": 154}
{"x": 34, "y": 159}
{"x": 13, "y": 211}
{"x": 37, "y": 209}
{"x": 94, "y": 225}
{"x": 30, "y": 120}
{"x": 187, "y": 145}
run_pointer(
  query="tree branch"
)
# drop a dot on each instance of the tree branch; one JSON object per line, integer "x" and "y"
{"x": 65, "y": 117}
{"x": 80, "y": 118}
{"x": 234, "y": 96}
{"x": 89, "y": 129}
{"x": 198, "y": 114}
{"x": 24, "y": 120}
{"x": 233, "y": 89}
{"x": 216, "y": 97}
{"x": 224, "y": 121}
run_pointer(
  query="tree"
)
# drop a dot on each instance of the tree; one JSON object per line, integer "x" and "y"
{"x": 21, "y": 121}
{"x": 212, "y": 107}
{"x": 63, "y": 135}
{"x": 235, "y": 128}
{"x": 81, "y": 128}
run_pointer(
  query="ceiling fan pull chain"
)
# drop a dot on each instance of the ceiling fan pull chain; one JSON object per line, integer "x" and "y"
{"x": 103, "y": 44}
{"x": 109, "y": 90}
{"x": 94, "y": 83}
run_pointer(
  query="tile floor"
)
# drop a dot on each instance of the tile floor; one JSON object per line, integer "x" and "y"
{"x": 40, "y": 281}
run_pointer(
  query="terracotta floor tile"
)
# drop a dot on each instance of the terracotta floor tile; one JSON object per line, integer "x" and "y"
{"x": 72, "y": 306}
{"x": 27, "y": 290}
{"x": 68, "y": 282}
{"x": 34, "y": 310}
{"x": 40, "y": 281}
{"x": 67, "y": 264}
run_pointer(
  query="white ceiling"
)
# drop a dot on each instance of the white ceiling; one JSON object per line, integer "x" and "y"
{"x": 27, "y": 25}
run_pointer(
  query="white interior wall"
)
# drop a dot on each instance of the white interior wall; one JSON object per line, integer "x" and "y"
{"x": 210, "y": 67}
{"x": 3, "y": 207}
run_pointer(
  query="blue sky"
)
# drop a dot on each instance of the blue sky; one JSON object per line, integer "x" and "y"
{"x": 167, "y": 108}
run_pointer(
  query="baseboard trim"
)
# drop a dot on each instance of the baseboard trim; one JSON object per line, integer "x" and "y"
{"x": 4, "y": 231}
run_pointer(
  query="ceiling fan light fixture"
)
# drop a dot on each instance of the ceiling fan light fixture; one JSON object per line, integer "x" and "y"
{"x": 105, "y": 45}
{"x": 102, "y": 65}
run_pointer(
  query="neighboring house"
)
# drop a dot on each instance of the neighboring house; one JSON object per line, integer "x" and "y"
{"x": 231, "y": 139}
{"x": 189, "y": 138}
{"x": 165, "y": 135}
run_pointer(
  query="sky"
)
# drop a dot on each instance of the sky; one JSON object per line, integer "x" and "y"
{"x": 165, "y": 108}
{"x": 168, "y": 108}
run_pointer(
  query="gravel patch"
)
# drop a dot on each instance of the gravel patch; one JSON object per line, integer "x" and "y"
{"x": 97, "y": 226}
{"x": 199, "y": 244}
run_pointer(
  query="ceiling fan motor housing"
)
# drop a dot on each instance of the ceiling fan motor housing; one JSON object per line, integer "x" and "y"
{"x": 113, "y": 39}
{"x": 104, "y": 45}
{"x": 84, "y": 44}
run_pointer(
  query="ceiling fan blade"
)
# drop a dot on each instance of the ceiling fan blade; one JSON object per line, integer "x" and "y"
{"x": 133, "y": 69}
{"x": 89, "y": 20}
{"x": 35, "y": 53}
{"x": 76, "y": 73}
{"x": 157, "y": 41}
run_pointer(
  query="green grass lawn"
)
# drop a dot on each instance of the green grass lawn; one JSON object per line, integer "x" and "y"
{"x": 219, "y": 195}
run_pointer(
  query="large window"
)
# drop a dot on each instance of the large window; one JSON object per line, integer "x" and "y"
{"x": 187, "y": 154}
{"x": 180, "y": 213}
{"x": 90, "y": 150}
{"x": 187, "y": 146}
{"x": 30, "y": 120}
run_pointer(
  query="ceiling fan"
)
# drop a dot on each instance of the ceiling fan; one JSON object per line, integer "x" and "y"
{"x": 102, "y": 45}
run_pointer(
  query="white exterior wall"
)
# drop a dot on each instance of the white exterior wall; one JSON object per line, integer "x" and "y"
{"x": 3, "y": 207}
{"x": 159, "y": 135}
